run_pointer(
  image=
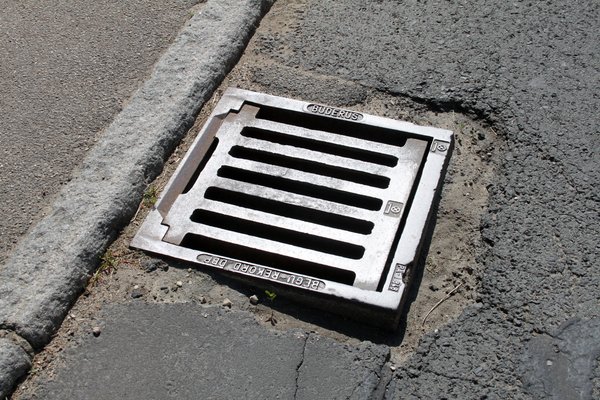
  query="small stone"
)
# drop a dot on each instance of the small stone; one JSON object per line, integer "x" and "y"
{"x": 189, "y": 270}
{"x": 165, "y": 289}
{"x": 202, "y": 300}
{"x": 227, "y": 303}
{"x": 413, "y": 372}
{"x": 150, "y": 265}
{"x": 254, "y": 299}
{"x": 392, "y": 367}
{"x": 96, "y": 331}
{"x": 137, "y": 293}
{"x": 135, "y": 287}
{"x": 179, "y": 284}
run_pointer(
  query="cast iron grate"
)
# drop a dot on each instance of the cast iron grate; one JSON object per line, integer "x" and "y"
{"x": 328, "y": 203}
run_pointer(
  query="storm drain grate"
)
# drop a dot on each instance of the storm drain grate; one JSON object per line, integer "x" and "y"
{"x": 327, "y": 203}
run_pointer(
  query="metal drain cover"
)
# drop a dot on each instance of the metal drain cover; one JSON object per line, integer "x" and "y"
{"x": 313, "y": 200}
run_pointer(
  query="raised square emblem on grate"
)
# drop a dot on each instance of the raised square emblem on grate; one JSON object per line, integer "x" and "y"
{"x": 328, "y": 203}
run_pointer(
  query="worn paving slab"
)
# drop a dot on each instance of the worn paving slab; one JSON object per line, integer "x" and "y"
{"x": 187, "y": 351}
{"x": 67, "y": 69}
{"x": 50, "y": 267}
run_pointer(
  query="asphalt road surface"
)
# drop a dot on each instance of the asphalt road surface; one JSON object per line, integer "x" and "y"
{"x": 66, "y": 68}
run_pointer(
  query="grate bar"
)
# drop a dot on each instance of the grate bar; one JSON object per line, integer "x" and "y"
{"x": 321, "y": 147}
{"x": 333, "y": 125}
{"x": 314, "y": 179}
{"x": 185, "y": 208}
{"x": 286, "y": 209}
{"x": 320, "y": 156}
{"x": 327, "y": 137}
{"x": 295, "y": 199}
{"x": 176, "y": 235}
{"x": 274, "y": 230}
{"x": 281, "y": 222}
{"x": 311, "y": 162}
{"x": 301, "y": 187}
{"x": 206, "y": 244}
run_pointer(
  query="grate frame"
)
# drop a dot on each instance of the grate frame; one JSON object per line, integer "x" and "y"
{"x": 400, "y": 164}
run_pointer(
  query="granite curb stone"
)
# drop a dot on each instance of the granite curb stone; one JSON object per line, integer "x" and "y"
{"x": 14, "y": 362}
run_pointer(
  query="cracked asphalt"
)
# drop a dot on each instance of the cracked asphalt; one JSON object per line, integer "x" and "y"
{"x": 530, "y": 72}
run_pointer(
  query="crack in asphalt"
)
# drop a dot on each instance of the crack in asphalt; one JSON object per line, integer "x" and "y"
{"x": 300, "y": 364}
{"x": 379, "y": 373}
{"x": 385, "y": 378}
{"x": 389, "y": 379}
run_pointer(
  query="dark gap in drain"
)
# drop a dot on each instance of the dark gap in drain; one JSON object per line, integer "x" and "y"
{"x": 333, "y": 125}
{"x": 282, "y": 235}
{"x": 321, "y": 146}
{"x": 289, "y": 210}
{"x": 201, "y": 166}
{"x": 314, "y": 167}
{"x": 267, "y": 259}
{"x": 302, "y": 188}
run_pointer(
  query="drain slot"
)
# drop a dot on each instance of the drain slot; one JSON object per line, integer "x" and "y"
{"x": 302, "y": 188}
{"x": 277, "y": 234}
{"x": 321, "y": 146}
{"x": 332, "y": 125}
{"x": 289, "y": 210}
{"x": 267, "y": 259}
{"x": 313, "y": 167}
{"x": 196, "y": 174}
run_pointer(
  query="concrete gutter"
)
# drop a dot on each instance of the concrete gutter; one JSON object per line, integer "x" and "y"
{"x": 50, "y": 267}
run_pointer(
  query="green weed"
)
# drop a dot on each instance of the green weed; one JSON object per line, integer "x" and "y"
{"x": 108, "y": 265}
{"x": 150, "y": 196}
{"x": 270, "y": 295}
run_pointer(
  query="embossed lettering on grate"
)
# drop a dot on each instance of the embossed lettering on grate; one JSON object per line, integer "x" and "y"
{"x": 314, "y": 198}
